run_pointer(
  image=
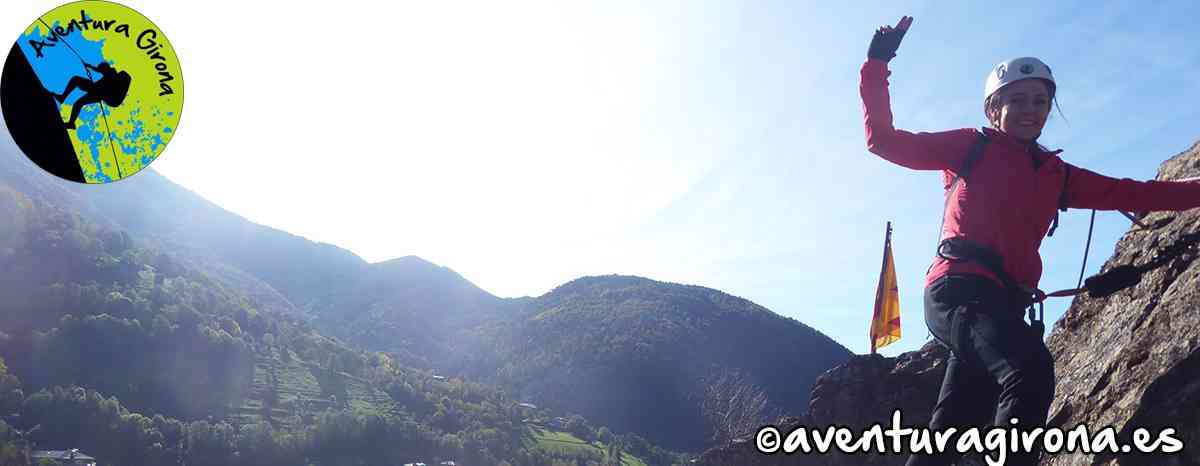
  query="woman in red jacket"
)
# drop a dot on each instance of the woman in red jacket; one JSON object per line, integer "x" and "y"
{"x": 1004, "y": 191}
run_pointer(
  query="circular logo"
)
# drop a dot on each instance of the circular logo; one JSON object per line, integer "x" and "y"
{"x": 1001, "y": 71}
{"x": 1027, "y": 69}
{"x": 92, "y": 91}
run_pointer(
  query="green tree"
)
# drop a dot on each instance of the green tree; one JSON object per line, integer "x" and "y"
{"x": 11, "y": 395}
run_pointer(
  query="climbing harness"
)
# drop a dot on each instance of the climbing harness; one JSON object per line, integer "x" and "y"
{"x": 958, "y": 249}
{"x": 103, "y": 113}
{"x": 1097, "y": 286}
{"x": 973, "y": 156}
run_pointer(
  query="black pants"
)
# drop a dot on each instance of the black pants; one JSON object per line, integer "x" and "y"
{"x": 998, "y": 368}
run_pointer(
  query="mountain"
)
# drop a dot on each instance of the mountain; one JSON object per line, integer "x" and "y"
{"x": 394, "y": 305}
{"x": 665, "y": 360}
{"x": 682, "y": 366}
{"x": 284, "y": 271}
{"x": 411, "y": 307}
{"x": 1128, "y": 360}
{"x": 115, "y": 346}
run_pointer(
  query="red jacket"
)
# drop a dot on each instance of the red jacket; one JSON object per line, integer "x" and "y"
{"x": 1012, "y": 192}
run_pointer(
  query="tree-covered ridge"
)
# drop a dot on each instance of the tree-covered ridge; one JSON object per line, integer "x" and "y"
{"x": 648, "y": 356}
{"x": 253, "y": 259}
{"x": 406, "y": 306}
{"x": 410, "y": 307}
{"x": 138, "y": 359}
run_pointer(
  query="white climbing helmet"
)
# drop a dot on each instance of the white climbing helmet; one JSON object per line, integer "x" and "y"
{"x": 1015, "y": 70}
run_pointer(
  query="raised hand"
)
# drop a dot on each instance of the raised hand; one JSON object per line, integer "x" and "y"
{"x": 887, "y": 39}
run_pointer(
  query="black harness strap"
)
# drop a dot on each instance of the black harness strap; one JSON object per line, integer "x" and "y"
{"x": 1062, "y": 200}
{"x": 960, "y": 249}
{"x": 973, "y": 156}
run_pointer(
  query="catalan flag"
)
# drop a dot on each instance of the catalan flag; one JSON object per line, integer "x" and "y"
{"x": 885, "y": 324}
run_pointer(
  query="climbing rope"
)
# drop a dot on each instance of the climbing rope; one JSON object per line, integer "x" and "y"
{"x": 1087, "y": 247}
{"x": 103, "y": 112}
{"x": 1121, "y": 277}
{"x": 1125, "y": 276}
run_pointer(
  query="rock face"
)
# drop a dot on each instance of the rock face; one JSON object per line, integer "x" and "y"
{"x": 1128, "y": 360}
{"x": 1132, "y": 359}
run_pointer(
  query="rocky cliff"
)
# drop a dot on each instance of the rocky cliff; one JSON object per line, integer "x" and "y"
{"x": 1127, "y": 360}
{"x": 1132, "y": 359}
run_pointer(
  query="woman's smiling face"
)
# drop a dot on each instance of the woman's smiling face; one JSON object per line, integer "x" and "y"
{"x": 1023, "y": 108}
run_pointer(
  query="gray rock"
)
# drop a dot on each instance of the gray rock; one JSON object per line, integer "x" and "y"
{"x": 1132, "y": 359}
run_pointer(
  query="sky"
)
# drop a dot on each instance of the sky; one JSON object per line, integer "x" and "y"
{"x": 525, "y": 144}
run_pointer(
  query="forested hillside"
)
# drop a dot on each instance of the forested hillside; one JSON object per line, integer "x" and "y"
{"x": 126, "y": 353}
{"x": 685, "y": 366}
{"x": 682, "y": 366}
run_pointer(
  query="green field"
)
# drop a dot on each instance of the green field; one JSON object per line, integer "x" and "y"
{"x": 301, "y": 389}
{"x": 291, "y": 392}
{"x": 547, "y": 440}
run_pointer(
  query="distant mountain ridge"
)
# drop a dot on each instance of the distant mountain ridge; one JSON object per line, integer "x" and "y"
{"x": 408, "y": 306}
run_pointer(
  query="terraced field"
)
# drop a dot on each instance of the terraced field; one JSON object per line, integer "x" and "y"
{"x": 292, "y": 392}
{"x": 547, "y": 440}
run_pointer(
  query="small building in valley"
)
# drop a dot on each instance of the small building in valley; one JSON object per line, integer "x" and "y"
{"x": 72, "y": 457}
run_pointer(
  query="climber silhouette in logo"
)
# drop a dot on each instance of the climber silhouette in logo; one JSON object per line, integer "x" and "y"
{"x": 111, "y": 89}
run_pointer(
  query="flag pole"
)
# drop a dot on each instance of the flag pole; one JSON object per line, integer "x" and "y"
{"x": 879, "y": 291}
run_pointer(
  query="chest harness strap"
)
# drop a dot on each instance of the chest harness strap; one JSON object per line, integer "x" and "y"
{"x": 957, "y": 249}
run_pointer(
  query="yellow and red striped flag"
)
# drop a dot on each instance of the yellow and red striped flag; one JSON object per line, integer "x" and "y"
{"x": 885, "y": 324}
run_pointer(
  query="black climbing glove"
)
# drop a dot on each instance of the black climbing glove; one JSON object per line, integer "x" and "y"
{"x": 885, "y": 43}
{"x": 1112, "y": 281}
{"x": 887, "y": 39}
